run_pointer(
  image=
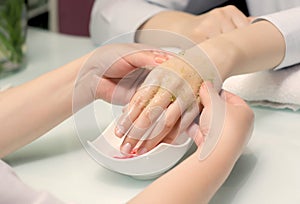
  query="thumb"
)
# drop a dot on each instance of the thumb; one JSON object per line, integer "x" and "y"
{"x": 144, "y": 58}
{"x": 194, "y": 132}
{"x": 207, "y": 93}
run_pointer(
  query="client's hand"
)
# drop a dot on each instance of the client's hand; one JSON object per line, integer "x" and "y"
{"x": 197, "y": 28}
{"x": 163, "y": 107}
{"x": 213, "y": 23}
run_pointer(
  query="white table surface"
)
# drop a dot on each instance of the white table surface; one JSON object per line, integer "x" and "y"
{"x": 268, "y": 171}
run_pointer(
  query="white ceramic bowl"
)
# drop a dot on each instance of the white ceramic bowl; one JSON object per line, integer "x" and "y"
{"x": 105, "y": 148}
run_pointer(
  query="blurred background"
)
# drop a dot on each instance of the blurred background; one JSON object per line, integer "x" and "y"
{"x": 63, "y": 16}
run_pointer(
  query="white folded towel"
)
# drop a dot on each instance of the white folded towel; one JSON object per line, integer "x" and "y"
{"x": 276, "y": 89}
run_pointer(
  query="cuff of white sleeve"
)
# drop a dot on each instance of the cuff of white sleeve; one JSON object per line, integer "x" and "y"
{"x": 287, "y": 23}
{"x": 127, "y": 21}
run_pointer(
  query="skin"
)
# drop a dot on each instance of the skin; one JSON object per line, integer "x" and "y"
{"x": 139, "y": 117}
{"x": 194, "y": 180}
{"x": 183, "y": 83}
{"x": 57, "y": 87}
{"x": 239, "y": 51}
{"x": 244, "y": 53}
{"x": 197, "y": 27}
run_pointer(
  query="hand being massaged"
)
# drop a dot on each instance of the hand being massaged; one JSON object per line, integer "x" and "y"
{"x": 164, "y": 106}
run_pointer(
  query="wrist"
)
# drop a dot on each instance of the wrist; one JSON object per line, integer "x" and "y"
{"x": 224, "y": 55}
{"x": 164, "y": 21}
{"x": 185, "y": 71}
{"x": 242, "y": 52}
{"x": 80, "y": 82}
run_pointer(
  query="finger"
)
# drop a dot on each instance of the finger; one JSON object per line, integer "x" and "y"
{"x": 169, "y": 134}
{"x": 232, "y": 98}
{"x": 140, "y": 100}
{"x": 212, "y": 119}
{"x": 166, "y": 123}
{"x": 211, "y": 102}
{"x": 221, "y": 17}
{"x": 136, "y": 106}
{"x": 227, "y": 24}
{"x": 186, "y": 120}
{"x": 147, "y": 118}
{"x": 170, "y": 83}
{"x": 163, "y": 127}
{"x": 143, "y": 58}
{"x": 193, "y": 129}
{"x": 127, "y": 58}
{"x": 149, "y": 144}
{"x": 206, "y": 93}
{"x": 237, "y": 17}
{"x": 121, "y": 90}
{"x": 251, "y": 18}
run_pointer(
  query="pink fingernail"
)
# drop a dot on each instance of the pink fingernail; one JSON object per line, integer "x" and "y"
{"x": 208, "y": 84}
{"x": 119, "y": 131}
{"x": 223, "y": 95}
{"x": 126, "y": 149}
{"x": 160, "y": 60}
{"x": 142, "y": 151}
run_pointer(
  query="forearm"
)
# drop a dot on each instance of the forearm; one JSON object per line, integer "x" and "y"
{"x": 190, "y": 182}
{"x": 195, "y": 181}
{"x": 163, "y": 23}
{"x": 165, "y": 20}
{"x": 33, "y": 108}
{"x": 259, "y": 46}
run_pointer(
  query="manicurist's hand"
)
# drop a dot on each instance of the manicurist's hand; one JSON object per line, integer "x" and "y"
{"x": 119, "y": 81}
{"x": 112, "y": 73}
{"x": 236, "y": 122}
{"x": 199, "y": 179}
{"x": 54, "y": 96}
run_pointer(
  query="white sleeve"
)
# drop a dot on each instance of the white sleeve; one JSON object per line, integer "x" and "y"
{"x": 13, "y": 190}
{"x": 287, "y": 22}
{"x": 110, "y": 18}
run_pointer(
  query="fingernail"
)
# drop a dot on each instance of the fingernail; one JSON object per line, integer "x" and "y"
{"x": 159, "y": 59}
{"x": 208, "y": 84}
{"x": 160, "y": 53}
{"x": 203, "y": 86}
{"x": 223, "y": 95}
{"x": 119, "y": 131}
{"x": 142, "y": 151}
{"x": 126, "y": 149}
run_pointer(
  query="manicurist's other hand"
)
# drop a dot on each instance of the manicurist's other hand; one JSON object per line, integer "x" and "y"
{"x": 236, "y": 125}
{"x": 113, "y": 72}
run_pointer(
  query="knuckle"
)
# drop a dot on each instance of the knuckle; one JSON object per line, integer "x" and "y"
{"x": 218, "y": 12}
{"x": 140, "y": 101}
{"x": 147, "y": 113}
{"x": 230, "y": 8}
{"x": 169, "y": 124}
{"x": 198, "y": 30}
{"x": 204, "y": 130}
{"x": 168, "y": 140}
{"x": 177, "y": 83}
{"x": 209, "y": 25}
